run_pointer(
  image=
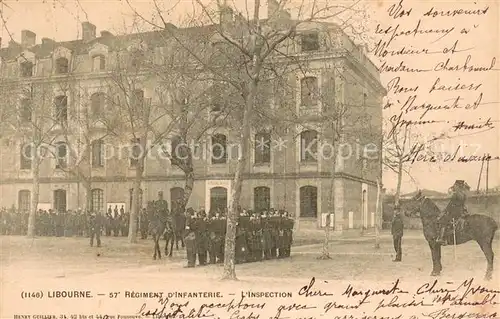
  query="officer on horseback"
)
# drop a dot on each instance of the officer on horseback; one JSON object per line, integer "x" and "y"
{"x": 455, "y": 209}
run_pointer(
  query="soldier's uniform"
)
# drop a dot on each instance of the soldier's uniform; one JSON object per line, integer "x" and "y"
{"x": 213, "y": 225}
{"x": 455, "y": 209}
{"x": 397, "y": 233}
{"x": 266, "y": 235}
{"x": 201, "y": 235}
{"x": 242, "y": 229}
{"x": 190, "y": 239}
{"x": 281, "y": 234}
{"x": 95, "y": 229}
{"x": 287, "y": 224}
{"x": 256, "y": 238}
{"x": 274, "y": 221}
{"x": 109, "y": 222}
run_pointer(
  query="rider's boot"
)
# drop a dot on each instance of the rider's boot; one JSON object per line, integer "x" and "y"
{"x": 440, "y": 240}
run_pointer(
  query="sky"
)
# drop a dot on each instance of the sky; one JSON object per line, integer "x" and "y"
{"x": 61, "y": 20}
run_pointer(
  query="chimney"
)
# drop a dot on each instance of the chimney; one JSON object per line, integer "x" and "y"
{"x": 28, "y": 38}
{"x": 46, "y": 42}
{"x": 88, "y": 31}
{"x": 273, "y": 8}
{"x": 13, "y": 44}
{"x": 106, "y": 34}
{"x": 226, "y": 15}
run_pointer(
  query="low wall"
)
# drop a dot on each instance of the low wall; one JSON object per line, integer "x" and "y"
{"x": 485, "y": 204}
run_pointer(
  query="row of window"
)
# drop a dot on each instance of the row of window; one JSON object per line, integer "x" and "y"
{"x": 309, "y": 98}
{"x": 62, "y": 66}
{"x": 218, "y": 199}
{"x": 309, "y": 42}
{"x": 97, "y": 106}
{"x": 219, "y": 155}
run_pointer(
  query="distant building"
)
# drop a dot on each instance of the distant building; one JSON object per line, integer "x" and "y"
{"x": 283, "y": 178}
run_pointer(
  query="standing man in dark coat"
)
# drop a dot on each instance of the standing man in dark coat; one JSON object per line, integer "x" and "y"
{"x": 95, "y": 229}
{"x": 201, "y": 233}
{"x": 397, "y": 232}
{"x": 190, "y": 238}
{"x": 288, "y": 223}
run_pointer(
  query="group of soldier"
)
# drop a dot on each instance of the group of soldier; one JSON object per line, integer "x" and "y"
{"x": 259, "y": 236}
{"x": 63, "y": 223}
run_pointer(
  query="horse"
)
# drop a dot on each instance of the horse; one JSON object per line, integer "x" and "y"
{"x": 480, "y": 228}
{"x": 159, "y": 225}
{"x": 175, "y": 232}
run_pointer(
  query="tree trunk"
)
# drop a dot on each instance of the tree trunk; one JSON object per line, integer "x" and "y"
{"x": 188, "y": 189}
{"x": 378, "y": 211}
{"x": 35, "y": 194}
{"x": 398, "y": 186}
{"x": 232, "y": 216}
{"x": 88, "y": 195}
{"x": 132, "y": 233}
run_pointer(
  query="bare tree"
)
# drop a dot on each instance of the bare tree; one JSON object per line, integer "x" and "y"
{"x": 145, "y": 113}
{"x": 248, "y": 48}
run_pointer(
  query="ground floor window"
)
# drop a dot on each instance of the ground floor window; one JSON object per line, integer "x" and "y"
{"x": 308, "y": 201}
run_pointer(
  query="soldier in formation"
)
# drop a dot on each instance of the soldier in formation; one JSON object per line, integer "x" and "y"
{"x": 258, "y": 236}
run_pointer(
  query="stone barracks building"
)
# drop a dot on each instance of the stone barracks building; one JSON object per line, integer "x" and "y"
{"x": 279, "y": 176}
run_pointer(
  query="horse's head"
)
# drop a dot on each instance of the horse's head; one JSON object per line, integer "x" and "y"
{"x": 412, "y": 208}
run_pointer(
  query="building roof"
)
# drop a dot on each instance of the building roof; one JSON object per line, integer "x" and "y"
{"x": 113, "y": 42}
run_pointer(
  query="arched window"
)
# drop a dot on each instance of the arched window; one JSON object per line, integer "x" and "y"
{"x": 97, "y": 105}
{"x": 261, "y": 198}
{"x": 308, "y": 146}
{"x": 97, "y": 200}
{"x": 176, "y": 197}
{"x": 218, "y": 199}
{"x": 98, "y": 62}
{"x": 25, "y": 110}
{"x": 219, "y": 149}
{"x": 62, "y": 66}
{"x": 308, "y": 201}
{"x": 262, "y": 148}
{"x": 27, "y": 69}
{"x": 26, "y": 156}
{"x": 131, "y": 197}
{"x": 98, "y": 153}
{"x": 61, "y": 109}
{"x": 61, "y": 151}
{"x": 24, "y": 200}
{"x": 309, "y": 91}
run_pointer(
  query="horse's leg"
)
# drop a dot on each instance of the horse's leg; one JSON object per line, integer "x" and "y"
{"x": 176, "y": 240}
{"x": 167, "y": 239}
{"x": 488, "y": 253}
{"x": 182, "y": 241}
{"x": 440, "y": 266}
{"x": 155, "y": 244}
{"x": 172, "y": 239}
{"x": 436, "y": 262}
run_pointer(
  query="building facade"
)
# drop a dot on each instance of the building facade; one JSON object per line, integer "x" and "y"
{"x": 294, "y": 170}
